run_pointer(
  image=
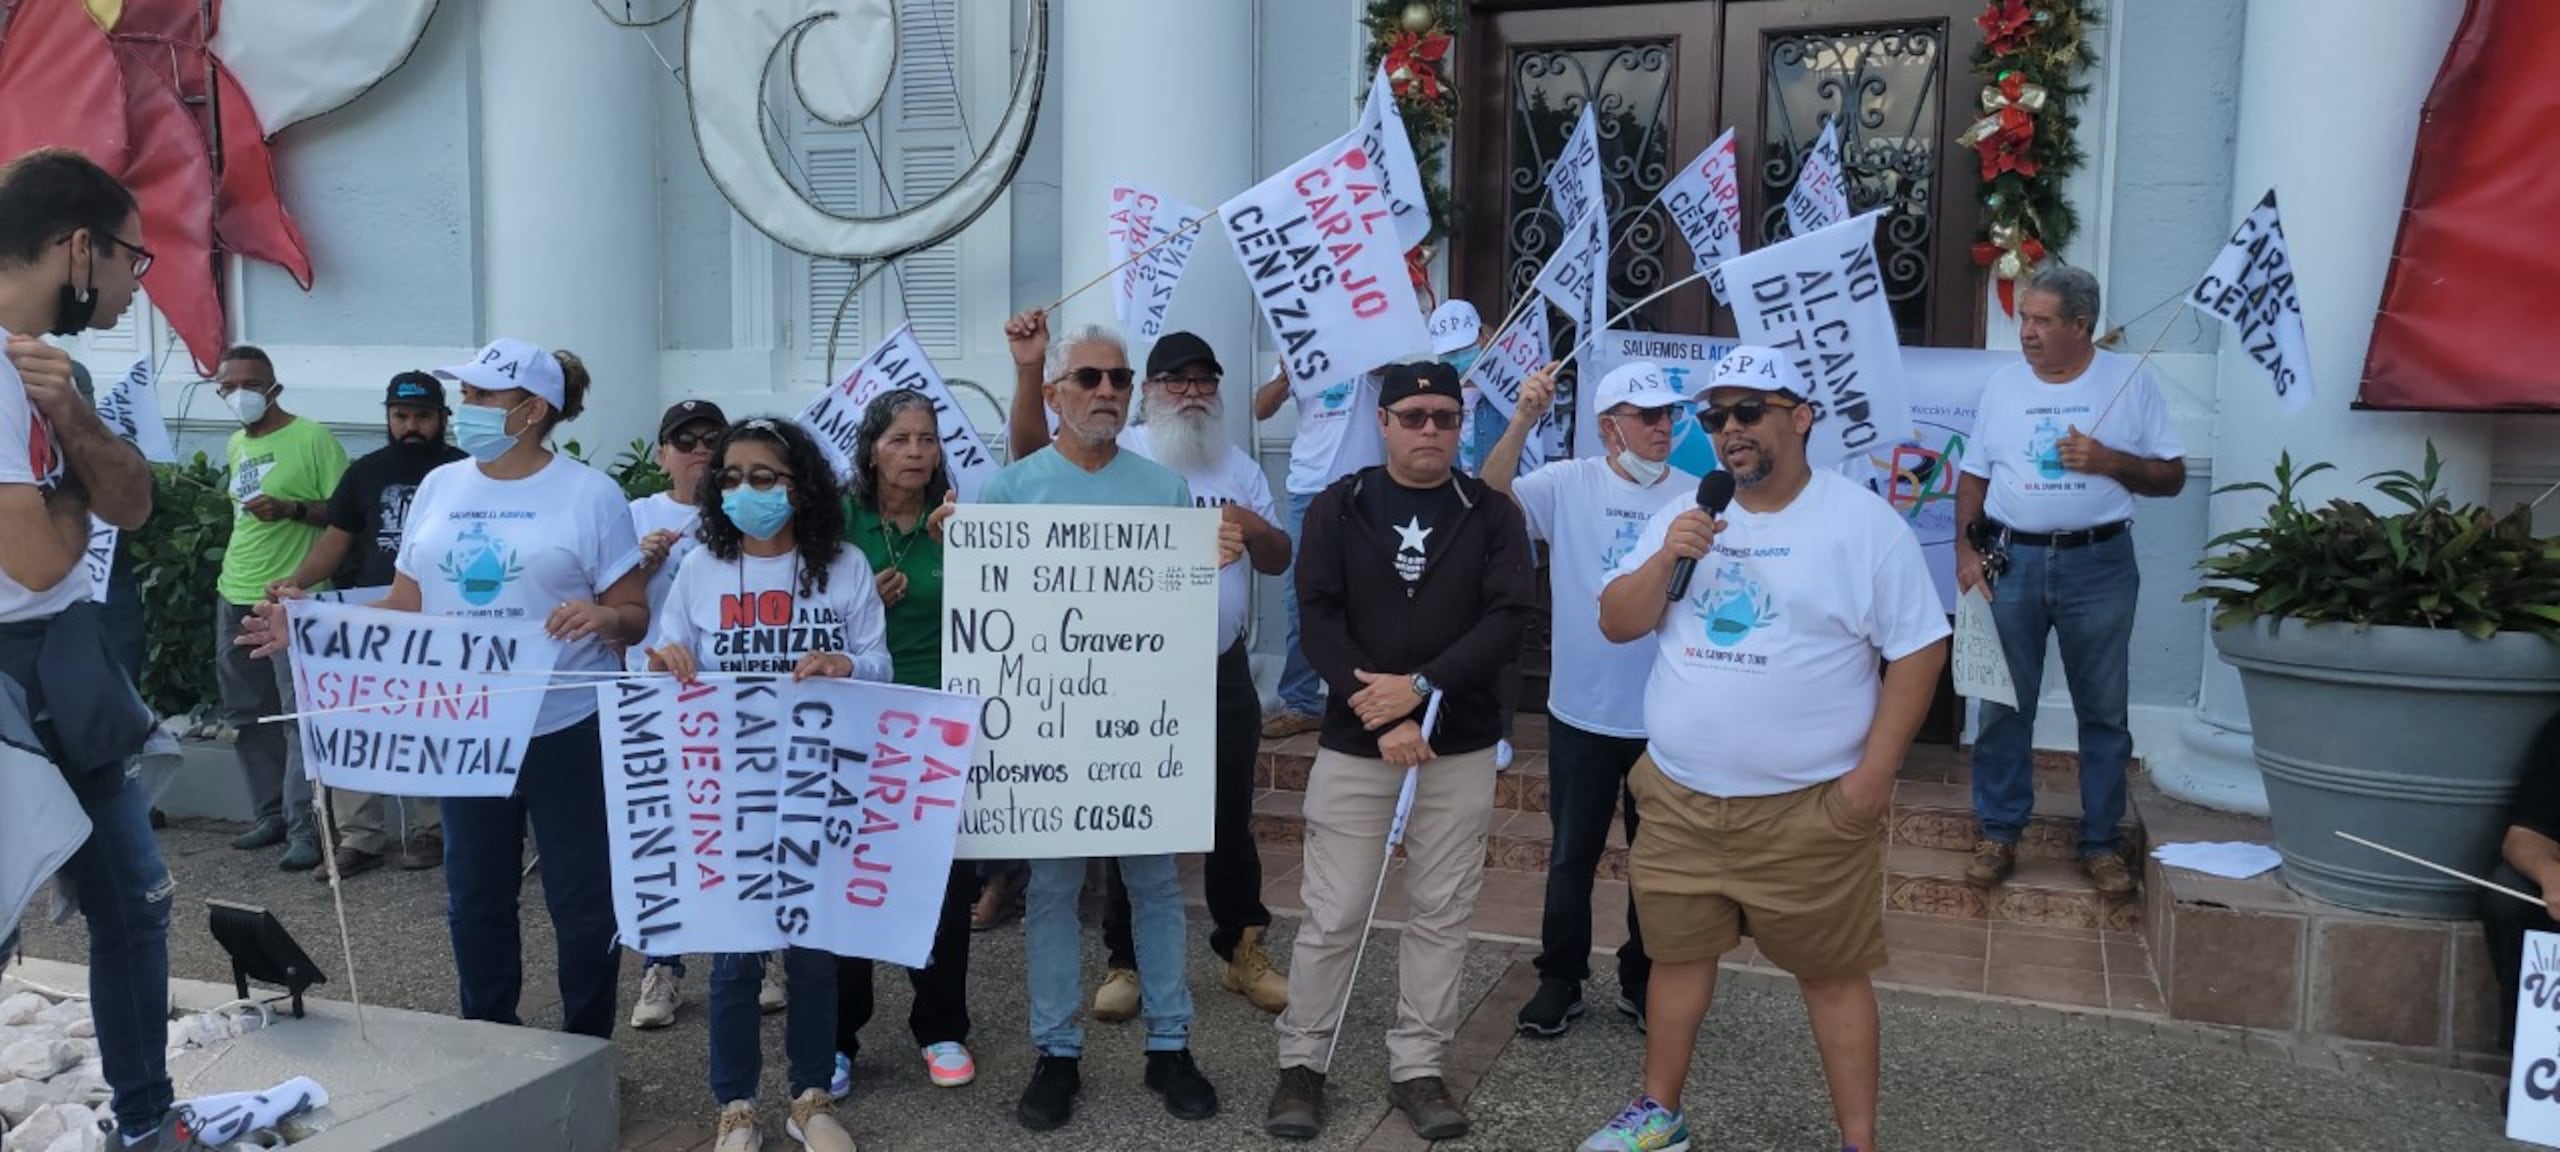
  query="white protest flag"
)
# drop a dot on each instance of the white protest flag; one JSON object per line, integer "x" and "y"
{"x": 1571, "y": 279}
{"x": 1819, "y": 300}
{"x": 1390, "y": 149}
{"x": 1820, "y": 198}
{"x": 899, "y": 365}
{"x": 132, "y": 408}
{"x": 453, "y": 717}
{"x": 1145, "y": 220}
{"x": 1521, "y": 350}
{"x": 693, "y": 786}
{"x": 2251, "y": 285}
{"x": 1579, "y": 269}
{"x": 1705, "y": 203}
{"x": 99, "y": 562}
{"x": 1320, "y": 251}
{"x": 1574, "y": 183}
{"x": 884, "y": 769}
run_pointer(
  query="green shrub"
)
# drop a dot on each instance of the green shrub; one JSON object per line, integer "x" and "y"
{"x": 635, "y": 469}
{"x": 177, "y": 560}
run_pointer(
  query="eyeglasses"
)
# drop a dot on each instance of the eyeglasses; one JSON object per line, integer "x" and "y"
{"x": 1746, "y": 413}
{"x": 1091, "y": 379}
{"x": 760, "y": 479}
{"x": 1649, "y": 417}
{"x": 1414, "y": 418}
{"x": 1187, "y": 385}
{"x": 692, "y": 441}
{"x": 142, "y": 256}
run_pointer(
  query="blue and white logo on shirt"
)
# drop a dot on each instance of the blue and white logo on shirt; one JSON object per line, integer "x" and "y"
{"x": 481, "y": 565}
{"x": 1338, "y": 395}
{"x": 1629, "y": 532}
{"x": 1735, "y": 606}
{"x": 2044, "y": 449}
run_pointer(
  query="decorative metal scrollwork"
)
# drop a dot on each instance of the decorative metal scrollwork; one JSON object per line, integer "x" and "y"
{"x": 1882, "y": 86}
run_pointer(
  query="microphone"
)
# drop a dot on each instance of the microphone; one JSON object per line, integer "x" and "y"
{"x": 1715, "y": 490}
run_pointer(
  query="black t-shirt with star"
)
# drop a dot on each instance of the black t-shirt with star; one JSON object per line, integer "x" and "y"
{"x": 1404, "y": 519}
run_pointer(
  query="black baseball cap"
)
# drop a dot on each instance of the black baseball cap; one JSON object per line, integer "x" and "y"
{"x": 415, "y": 389}
{"x": 1420, "y": 378}
{"x": 1176, "y": 349}
{"x": 684, "y": 412}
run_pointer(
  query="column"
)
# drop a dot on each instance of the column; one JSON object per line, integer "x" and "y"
{"x": 2330, "y": 94}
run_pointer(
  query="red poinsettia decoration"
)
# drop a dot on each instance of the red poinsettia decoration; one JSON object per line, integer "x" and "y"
{"x": 2012, "y": 148}
{"x": 1413, "y": 61}
{"x": 2005, "y": 26}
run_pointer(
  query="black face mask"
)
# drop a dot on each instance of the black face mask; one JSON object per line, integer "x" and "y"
{"x": 73, "y": 310}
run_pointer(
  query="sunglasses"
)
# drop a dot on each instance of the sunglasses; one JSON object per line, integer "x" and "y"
{"x": 760, "y": 479}
{"x": 1745, "y": 413}
{"x": 1414, "y": 418}
{"x": 1187, "y": 385}
{"x": 1091, "y": 379}
{"x": 692, "y": 441}
{"x": 1649, "y": 417}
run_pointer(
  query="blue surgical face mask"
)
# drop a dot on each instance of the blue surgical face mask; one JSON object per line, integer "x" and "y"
{"x": 1463, "y": 359}
{"x": 758, "y": 514}
{"x": 482, "y": 432}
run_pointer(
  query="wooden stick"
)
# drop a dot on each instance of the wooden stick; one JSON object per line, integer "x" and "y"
{"x": 2092, "y": 429}
{"x": 1517, "y": 306}
{"x": 1594, "y": 337}
{"x": 346, "y": 942}
{"x": 1134, "y": 257}
{"x": 2536, "y": 901}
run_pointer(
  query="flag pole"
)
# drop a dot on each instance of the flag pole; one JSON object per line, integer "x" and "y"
{"x": 2502, "y": 889}
{"x": 2092, "y": 429}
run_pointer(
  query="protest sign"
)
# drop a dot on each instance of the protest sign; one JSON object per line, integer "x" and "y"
{"x": 1090, "y": 634}
{"x": 1981, "y": 664}
{"x": 1686, "y": 362}
{"x": 1390, "y": 149}
{"x": 1576, "y": 277}
{"x": 1574, "y": 183}
{"x": 2250, "y": 284}
{"x": 1320, "y": 250}
{"x": 132, "y": 411}
{"x": 1705, "y": 203}
{"x": 2533, "y": 1080}
{"x": 1519, "y": 351}
{"x": 898, "y": 365}
{"x": 1820, "y": 198}
{"x": 1819, "y": 300}
{"x": 760, "y": 813}
{"x": 99, "y": 560}
{"x": 1145, "y": 220}
{"x": 400, "y": 704}
{"x": 1918, "y": 475}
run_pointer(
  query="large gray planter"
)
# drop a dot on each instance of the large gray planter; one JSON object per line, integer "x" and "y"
{"x": 2411, "y": 737}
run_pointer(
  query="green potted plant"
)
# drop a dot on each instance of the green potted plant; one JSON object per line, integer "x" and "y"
{"x": 2397, "y": 665}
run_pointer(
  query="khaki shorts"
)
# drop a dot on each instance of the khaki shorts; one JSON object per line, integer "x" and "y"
{"x": 1795, "y": 871}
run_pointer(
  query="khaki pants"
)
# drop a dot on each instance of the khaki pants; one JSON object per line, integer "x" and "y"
{"x": 1350, "y": 803}
{"x": 359, "y": 819}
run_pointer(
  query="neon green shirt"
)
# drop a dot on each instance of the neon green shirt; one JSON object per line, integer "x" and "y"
{"x": 300, "y": 461}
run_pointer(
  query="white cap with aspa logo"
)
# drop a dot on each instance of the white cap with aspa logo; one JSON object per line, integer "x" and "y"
{"x": 1757, "y": 367}
{"x": 1454, "y": 325}
{"x": 1638, "y": 383}
{"x": 508, "y": 364}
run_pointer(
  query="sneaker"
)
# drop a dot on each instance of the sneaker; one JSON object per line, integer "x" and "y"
{"x": 1288, "y": 722}
{"x": 1992, "y": 863}
{"x": 1297, "y": 1105}
{"x": 1549, "y": 1013}
{"x": 1188, "y": 1095}
{"x": 840, "y": 1085}
{"x": 1502, "y": 756}
{"x": 1425, "y": 1102}
{"x": 1050, "y": 1099}
{"x": 1250, "y": 972}
{"x": 2108, "y": 874}
{"x": 948, "y": 1064}
{"x": 1631, "y": 1006}
{"x": 659, "y": 995}
{"x": 813, "y": 1123}
{"x": 739, "y": 1130}
{"x": 350, "y": 863}
{"x": 265, "y": 833}
{"x": 1116, "y": 1002}
{"x": 1644, "y": 1126}
{"x": 423, "y": 851}
{"x": 771, "y": 998}
{"x": 300, "y": 856}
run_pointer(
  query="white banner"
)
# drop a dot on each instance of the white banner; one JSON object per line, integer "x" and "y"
{"x": 1818, "y": 299}
{"x": 1090, "y": 633}
{"x": 760, "y": 813}
{"x": 132, "y": 408}
{"x": 99, "y": 562}
{"x": 899, "y": 365}
{"x": 1576, "y": 277}
{"x": 1705, "y": 203}
{"x": 1390, "y": 148}
{"x": 2251, "y": 285}
{"x": 1918, "y": 475}
{"x": 1321, "y": 253}
{"x": 1981, "y": 664}
{"x": 1574, "y": 184}
{"x": 458, "y": 696}
{"x": 1686, "y": 362}
{"x": 1142, "y": 292}
{"x": 1522, "y": 349}
{"x": 1820, "y": 198}
{"x": 2533, "y": 1077}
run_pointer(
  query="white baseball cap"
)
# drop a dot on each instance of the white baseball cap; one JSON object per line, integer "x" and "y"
{"x": 508, "y": 364}
{"x": 1637, "y": 382}
{"x": 1757, "y": 367}
{"x": 1454, "y": 325}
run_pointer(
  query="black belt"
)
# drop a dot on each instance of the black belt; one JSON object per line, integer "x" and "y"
{"x": 2072, "y": 539}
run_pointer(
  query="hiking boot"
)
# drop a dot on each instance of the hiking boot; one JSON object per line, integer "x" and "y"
{"x": 1425, "y": 1101}
{"x": 770, "y": 996}
{"x": 948, "y": 1064}
{"x": 739, "y": 1130}
{"x": 2108, "y": 874}
{"x": 1250, "y": 972}
{"x": 300, "y": 856}
{"x": 1552, "y": 1011}
{"x": 656, "y": 1007}
{"x": 1992, "y": 863}
{"x": 1644, "y": 1126}
{"x": 265, "y": 833}
{"x": 1286, "y": 723}
{"x": 1297, "y": 1105}
{"x": 1188, "y": 1095}
{"x": 1117, "y": 1000}
{"x": 349, "y": 863}
{"x": 1050, "y": 1099}
{"x": 423, "y": 851}
{"x": 813, "y": 1123}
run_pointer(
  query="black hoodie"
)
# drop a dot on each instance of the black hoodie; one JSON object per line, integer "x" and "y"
{"x": 1459, "y": 623}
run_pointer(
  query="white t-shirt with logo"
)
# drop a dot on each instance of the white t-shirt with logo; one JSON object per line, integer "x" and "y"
{"x": 1592, "y": 517}
{"x": 659, "y": 512}
{"x": 517, "y": 550}
{"x": 747, "y": 615}
{"x": 2018, "y": 433}
{"x": 1235, "y": 479}
{"x": 1765, "y": 678}
{"x": 30, "y": 455}
{"x": 1337, "y": 431}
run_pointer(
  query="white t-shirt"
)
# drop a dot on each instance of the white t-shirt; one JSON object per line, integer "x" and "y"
{"x": 1765, "y": 678}
{"x": 659, "y": 512}
{"x": 1337, "y": 431}
{"x": 30, "y": 455}
{"x": 1592, "y": 517}
{"x": 518, "y": 549}
{"x": 2023, "y": 420}
{"x": 1235, "y": 479}
{"x": 747, "y": 615}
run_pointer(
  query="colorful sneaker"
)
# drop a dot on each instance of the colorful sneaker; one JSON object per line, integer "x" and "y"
{"x": 658, "y": 996}
{"x": 1643, "y": 1126}
{"x": 948, "y": 1064}
{"x": 770, "y": 998}
{"x": 840, "y": 1085}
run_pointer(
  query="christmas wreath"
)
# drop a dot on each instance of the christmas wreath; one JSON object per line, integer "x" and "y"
{"x": 2033, "y": 53}
{"x": 1413, "y": 40}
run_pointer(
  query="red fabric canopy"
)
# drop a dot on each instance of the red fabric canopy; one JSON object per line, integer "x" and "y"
{"x": 2464, "y": 325}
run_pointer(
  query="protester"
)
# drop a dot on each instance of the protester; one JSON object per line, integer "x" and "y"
{"x": 1087, "y": 382}
{"x": 371, "y": 506}
{"x": 283, "y": 470}
{"x": 1590, "y": 510}
{"x": 2044, "y": 514}
{"x": 1413, "y": 581}
{"x": 772, "y": 529}
{"x": 1335, "y": 437}
{"x": 1458, "y": 338}
{"x": 1774, "y": 739}
{"x": 71, "y": 259}
{"x": 2529, "y": 861}
{"x": 901, "y": 494}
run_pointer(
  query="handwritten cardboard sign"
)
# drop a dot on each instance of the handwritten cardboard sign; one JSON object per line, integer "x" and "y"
{"x": 1322, "y": 254}
{"x": 453, "y": 718}
{"x": 899, "y": 364}
{"x": 1981, "y": 664}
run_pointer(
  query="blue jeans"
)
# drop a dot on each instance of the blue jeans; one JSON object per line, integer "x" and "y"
{"x": 1586, "y": 785}
{"x": 1054, "y": 942}
{"x": 808, "y": 1025}
{"x": 562, "y": 790}
{"x": 124, "y": 892}
{"x": 1301, "y": 690}
{"x": 2085, "y": 597}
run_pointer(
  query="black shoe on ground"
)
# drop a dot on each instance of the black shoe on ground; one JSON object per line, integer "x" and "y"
{"x": 1050, "y": 1099}
{"x": 1549, "y": 1013}
{"x": 1297, "y": 1105}
{"x": 1425, "y": 1101}
{"x": 1188, "y": 1095}
{"x": 1631, "y": 1000}
{"x": 300, "y": 856}
{"x": 265, "y": 833}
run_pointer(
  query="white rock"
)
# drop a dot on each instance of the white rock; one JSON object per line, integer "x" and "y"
{"x": 65, "y": 1012}
{"x": 19, "y": 1099}
{"x": 75, "y": 1142}
{"x": 83, "y": 1028}
{"x": 38, "y": 1130}
{"x": 39, "y": 1059}
{"x": 79, "y": 1087}
{"x": 22, "y": 1008}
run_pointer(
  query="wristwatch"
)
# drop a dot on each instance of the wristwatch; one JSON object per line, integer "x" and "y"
{"x": 1423, "y": 687}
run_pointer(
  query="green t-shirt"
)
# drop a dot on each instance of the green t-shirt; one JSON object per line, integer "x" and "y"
{"x": 915, "y": 622}
{"x": 300, "y": 461}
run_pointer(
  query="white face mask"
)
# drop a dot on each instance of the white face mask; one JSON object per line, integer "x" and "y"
{"x": 249, "y": 404}
{"x": 1644, "y": 472}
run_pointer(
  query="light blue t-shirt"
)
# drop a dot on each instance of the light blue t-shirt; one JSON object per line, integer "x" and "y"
{"x": 1129, "y": 480}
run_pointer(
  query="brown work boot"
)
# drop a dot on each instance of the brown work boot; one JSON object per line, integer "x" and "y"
{"x": 999, "y": 901}
{"x": 1425, "y": 1102}
{"x": 1285, "y": 723}
{"x": 2108, "y": 874}
{"x": 1118, "y": 999}
{"x": 1992, "y": 863}
{"x": 1250, "y": 972}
